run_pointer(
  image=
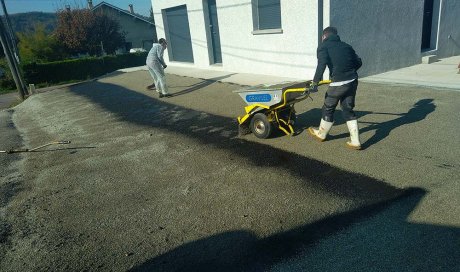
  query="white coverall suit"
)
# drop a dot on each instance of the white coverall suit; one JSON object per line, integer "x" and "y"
{"x": 155, "y": 64}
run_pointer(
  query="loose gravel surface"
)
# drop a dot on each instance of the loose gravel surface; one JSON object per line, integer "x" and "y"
{"x": 151, "y": 184}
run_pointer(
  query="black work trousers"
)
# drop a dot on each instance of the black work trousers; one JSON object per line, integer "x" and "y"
{"x": 346, "y": 95}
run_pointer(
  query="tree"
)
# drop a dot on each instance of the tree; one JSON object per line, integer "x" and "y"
{"x": 86, "y": 31}
{"x": 38, "y": 46}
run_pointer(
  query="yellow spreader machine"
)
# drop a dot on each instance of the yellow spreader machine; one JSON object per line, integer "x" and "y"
{"x": 272, "y": 107}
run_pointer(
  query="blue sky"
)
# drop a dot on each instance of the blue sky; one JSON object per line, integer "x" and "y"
{"x": 18, "y": 6}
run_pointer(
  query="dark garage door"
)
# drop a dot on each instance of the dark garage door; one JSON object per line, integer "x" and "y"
{"x": 180, "y": 42}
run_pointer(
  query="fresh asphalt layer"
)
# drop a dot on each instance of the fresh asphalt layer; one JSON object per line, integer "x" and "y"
{"x": 152, "y": 184}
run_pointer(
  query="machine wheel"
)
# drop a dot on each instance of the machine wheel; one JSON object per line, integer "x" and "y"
{"x": 260, "y": 126}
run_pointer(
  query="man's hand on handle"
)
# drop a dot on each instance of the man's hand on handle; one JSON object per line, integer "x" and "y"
{"x": 313, "y": 88}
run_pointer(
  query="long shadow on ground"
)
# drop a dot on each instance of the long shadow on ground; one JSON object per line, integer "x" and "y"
{"x": 242, "y": 250}
{"x": 420, "y": 110}
{"x": 200, "y": 85}
{"x": 389, "y": 243}
{"x": 221, "y": 132}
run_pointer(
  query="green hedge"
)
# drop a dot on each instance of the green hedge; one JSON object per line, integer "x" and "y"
{"x": 6, "y": 79}
{"x": 79, "y": 69}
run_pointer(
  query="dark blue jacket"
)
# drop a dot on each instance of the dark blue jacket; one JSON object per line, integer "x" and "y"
{"x": 339, "y": 57}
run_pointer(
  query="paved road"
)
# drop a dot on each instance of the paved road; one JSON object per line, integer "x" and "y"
{"x": 6, "y": 100}
{"x": 164, "y": 185}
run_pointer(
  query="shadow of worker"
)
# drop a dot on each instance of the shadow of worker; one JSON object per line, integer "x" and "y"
{"x": 202, "y": 84}
{"x": 418, "y": 112}
{"x": 390, "y": 240}
{"x": 379, "y": 236}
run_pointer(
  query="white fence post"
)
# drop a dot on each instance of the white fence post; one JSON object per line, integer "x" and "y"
{"x": 31, "y": 89}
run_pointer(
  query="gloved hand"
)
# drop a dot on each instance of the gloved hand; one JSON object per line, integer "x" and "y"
{"x": 313, "y": 88}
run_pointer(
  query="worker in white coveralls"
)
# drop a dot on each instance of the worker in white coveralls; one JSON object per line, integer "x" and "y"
{"x": 156, "y": 65}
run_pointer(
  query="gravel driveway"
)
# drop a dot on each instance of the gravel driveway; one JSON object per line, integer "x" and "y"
{"x": 167, "y": 185}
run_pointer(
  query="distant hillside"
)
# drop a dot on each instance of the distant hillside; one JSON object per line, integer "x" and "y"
{"x": 24, "y": 22}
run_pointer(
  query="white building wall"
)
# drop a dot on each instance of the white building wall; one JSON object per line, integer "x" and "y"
{"x": 196, "y": 22}
{"x": 449, "y": 29}
{"x": 386, "y": 34}
{"x": 290, "y": 54}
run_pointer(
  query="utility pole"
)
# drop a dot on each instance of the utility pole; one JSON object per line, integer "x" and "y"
{"x": 12, "y": 62}
{"x": 10, "y": 30}
{"x": 11, "y": 53}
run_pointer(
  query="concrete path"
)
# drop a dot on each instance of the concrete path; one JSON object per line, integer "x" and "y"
{"x": 218, "y": 75}
{"x": 443, "y": 74}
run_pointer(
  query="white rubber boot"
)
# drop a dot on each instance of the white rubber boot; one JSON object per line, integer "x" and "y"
{"x": 354, "y": 135}
{"x": 321, "y": 132}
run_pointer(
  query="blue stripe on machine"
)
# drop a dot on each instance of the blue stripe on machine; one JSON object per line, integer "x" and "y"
{"x": 258, "y": 98}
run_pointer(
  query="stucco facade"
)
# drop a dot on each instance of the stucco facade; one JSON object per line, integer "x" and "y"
{"x": 139, "y": 33}
{"x": 386, "y": 34}
{"x": 449, "y": 31}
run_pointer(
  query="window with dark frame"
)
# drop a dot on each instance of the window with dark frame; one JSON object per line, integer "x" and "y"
{"x": 267, "y": 15}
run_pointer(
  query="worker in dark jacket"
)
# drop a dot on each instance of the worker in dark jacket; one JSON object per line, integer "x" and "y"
{"x": 343, "y": 63}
